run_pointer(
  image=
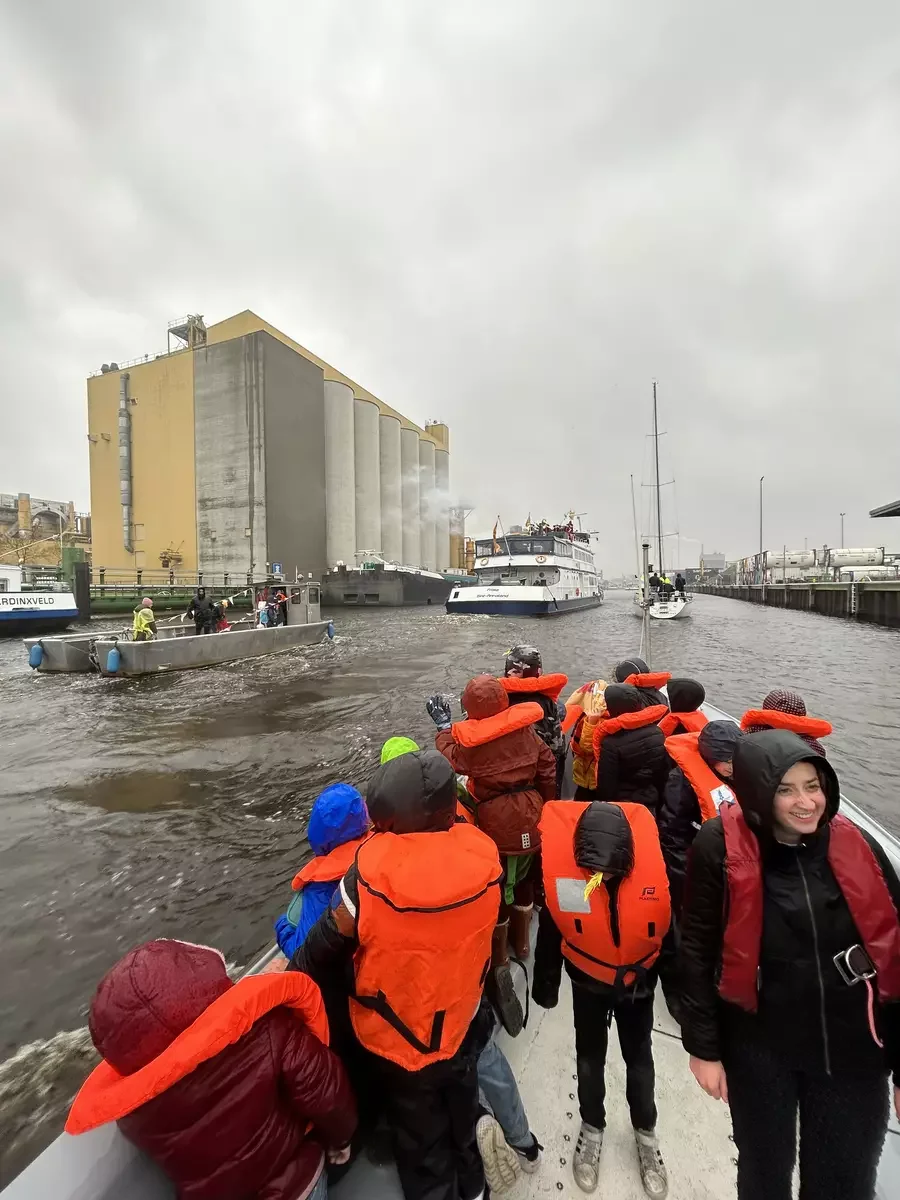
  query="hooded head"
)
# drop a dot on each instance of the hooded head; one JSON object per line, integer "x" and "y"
{"x": 622, "y": 698}
{"x": 792, "y": 703}
{"x": 338, "y": 815}
{"x": 146, "y": 602}
{"x": 685, "y": 695}
{"x": 524, "y": 662}
{"x": 484, "y": 696}
{"x": 414, "y": 793}
{"x": 603, "y": 841}
{"x": 396, "y": 746}
{"x": 717, "y": 743}
{"x": 201, "y": 593}
{"x": 761, "y": 761}
{"x": 630, "y": 666}
{"x": 151, "y": 996}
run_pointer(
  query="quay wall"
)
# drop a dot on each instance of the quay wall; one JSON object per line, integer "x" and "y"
{"x": 877, "y": 602}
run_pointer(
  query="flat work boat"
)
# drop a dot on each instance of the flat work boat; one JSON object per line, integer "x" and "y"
{"x": 542, "y": 574}
{"x": 694, "y": 1131}
{"x": 178, "y": 649}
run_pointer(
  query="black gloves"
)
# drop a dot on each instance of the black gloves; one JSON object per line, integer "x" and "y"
{"x": 438, "y": 708}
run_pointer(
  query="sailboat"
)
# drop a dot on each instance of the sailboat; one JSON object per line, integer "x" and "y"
{"x": 676, "y": 605}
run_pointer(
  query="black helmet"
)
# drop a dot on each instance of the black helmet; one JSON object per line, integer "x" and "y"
{"x": 524, "y": 661}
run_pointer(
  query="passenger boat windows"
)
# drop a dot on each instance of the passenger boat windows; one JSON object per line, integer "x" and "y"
{"x": 314, "y": 595}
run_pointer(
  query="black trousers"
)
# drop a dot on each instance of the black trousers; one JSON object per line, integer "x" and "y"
{"x": 634, "y": 1024}
{"x": 843, "y": 1119}
{"x": 432, "y": 1114}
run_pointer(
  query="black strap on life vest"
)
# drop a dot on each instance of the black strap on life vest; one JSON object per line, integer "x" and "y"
{"x": 379, "y": 1004}
{"x": 636, "y": 968}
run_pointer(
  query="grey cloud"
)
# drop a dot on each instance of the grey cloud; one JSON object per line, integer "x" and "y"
{"x": 510, "y": 216}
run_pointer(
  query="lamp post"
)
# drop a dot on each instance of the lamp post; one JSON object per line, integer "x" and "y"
{"x": 843, "y": 514}
{"x": 761, "y": 573}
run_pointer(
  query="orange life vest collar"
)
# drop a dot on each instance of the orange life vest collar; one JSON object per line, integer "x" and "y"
{"x": 538, "y": 685}
{"x": 813, "y": 727}
{"x": 473, "y": 732}
{"x": 108, "y": 1096}
{"x": 711, "y": 791}
{"x": 686, "y": 722}
{"x": 631, "y": 720}
{"x": 331, "y": 866}
{"x": 613, "y": 936}
{"x": 650, "y": 679}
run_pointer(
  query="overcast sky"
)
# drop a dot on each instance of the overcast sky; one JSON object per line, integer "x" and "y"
{"x": 511, "y": 216}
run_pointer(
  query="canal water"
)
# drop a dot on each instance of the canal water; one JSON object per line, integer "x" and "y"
{"x": 176, "y": 807}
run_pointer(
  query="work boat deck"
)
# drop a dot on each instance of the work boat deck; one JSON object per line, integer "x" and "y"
{"x": 694, "y": 1131}
{"x": 531, "y": 575}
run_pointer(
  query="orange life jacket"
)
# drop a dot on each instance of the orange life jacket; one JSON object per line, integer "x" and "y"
{"x": 108, "y": 1096}
{"x": 711, "y": 791}
{"x": 428, "y": 904}
{"x": 630, "y": 720}
{"x": 472, "y": 732}
{"x": 650, "y": 679}
{"x": 813, "y": 727}
{"x": 641, "y": 901}
{"x": 541, "y": 685}
{"x": 687, "y": 722}
{"x": 331, "y": 866}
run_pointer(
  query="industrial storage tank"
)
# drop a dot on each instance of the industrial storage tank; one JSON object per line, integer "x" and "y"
{"x": 793, "y": 558}
{"x": 340, "y": 475}
{"x": 391, "y": 498}
{"x": 368, "y": 476}
{"x": 873, "y": 557}
{"x": 409, "y": 492}
{"x": 442, "y": 509}
{"x": 426, "y": 504}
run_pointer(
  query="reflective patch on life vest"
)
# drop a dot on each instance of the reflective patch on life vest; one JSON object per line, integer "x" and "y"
{"x": 570, "y": 896}
{"x": 526, "y": 841}
{"x": 722, "y": 795}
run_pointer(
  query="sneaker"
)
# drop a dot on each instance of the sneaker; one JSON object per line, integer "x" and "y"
{"x": 586, "y": 1161}
{"x": 530, "y": 1157}
{"x": 501, "y": 1162}
{"x": 652, "y": 1167}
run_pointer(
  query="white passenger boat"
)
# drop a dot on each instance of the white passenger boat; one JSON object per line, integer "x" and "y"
{"x": 537, "y": 574}
{"x": 32, "y": 610}
{"x": 177, "y": 648}
{"x": 694, "y": 1131}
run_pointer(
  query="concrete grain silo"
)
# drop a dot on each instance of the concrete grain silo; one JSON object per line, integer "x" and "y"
{"x": 340, "y": 475}
{"x": 442, "y": 509}
{"x": 426, "y": 504}
{"x": 368, "y": 476}
{"x": 409, "y": 487}
{"x": 391, "y": 497}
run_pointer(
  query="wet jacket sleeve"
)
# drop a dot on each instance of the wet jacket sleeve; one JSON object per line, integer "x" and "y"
{"x": 890, "y": 1013}
{"x": 702, "y": 929}
{"x": 679, "y": 821}
{"x": 546, "y": 771}
{"x": 454, "y": 754}
{"x": 317, "y": 1087}
{"x": 548, "y": 962}
{"x": 330, "y": 943}
{"x": 608, "y": 771}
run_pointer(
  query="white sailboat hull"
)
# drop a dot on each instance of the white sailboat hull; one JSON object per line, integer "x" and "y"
{"x": 673, "y": 609}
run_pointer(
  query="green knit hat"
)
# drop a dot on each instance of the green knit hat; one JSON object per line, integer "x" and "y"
{"x": 396, "y": 746}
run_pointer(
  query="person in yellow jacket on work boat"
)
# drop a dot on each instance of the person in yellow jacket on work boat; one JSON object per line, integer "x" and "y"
{"x": 413, "y": 922}
{"x": 144, "y": 627}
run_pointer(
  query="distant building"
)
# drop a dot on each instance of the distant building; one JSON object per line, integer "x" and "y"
{"x": 713, "y": 563}
{"x": 31, "y": 529}
{"x": 237, "y": 451}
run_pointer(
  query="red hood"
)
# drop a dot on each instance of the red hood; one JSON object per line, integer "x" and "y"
{"x": 151, "y": 996}
{"x": 484, "y": 697}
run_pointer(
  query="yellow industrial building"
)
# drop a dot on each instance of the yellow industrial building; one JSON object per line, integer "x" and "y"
{"x": 238, "y": 452}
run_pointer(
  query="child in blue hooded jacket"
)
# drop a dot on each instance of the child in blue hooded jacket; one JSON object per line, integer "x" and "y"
{"x": 338, "y": 824}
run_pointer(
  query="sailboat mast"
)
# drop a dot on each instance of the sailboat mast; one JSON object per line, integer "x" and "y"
{"x": 658, "y": 494}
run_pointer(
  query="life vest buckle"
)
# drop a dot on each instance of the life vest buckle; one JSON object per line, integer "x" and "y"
{"x": 854, "y": 965}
